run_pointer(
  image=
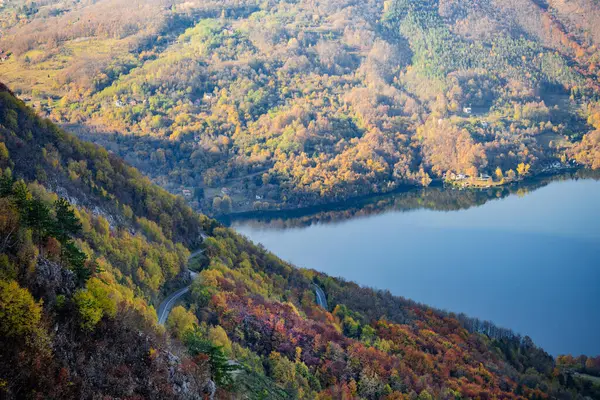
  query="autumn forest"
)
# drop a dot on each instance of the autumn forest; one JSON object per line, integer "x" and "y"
{"x": 247, "y": 105}
{"x": 127, "y": 126}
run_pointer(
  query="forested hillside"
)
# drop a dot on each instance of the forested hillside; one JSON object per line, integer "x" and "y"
{"x": 79, "y": 270}
{"x": 244, "y": 105}
{"x": 89, "y": 248}
{"x": 433, "y": 198}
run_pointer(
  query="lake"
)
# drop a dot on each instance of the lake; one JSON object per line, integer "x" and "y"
{"x": 525, "y": 258}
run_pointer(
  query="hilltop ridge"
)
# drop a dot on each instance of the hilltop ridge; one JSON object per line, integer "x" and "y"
{"x": 268, "y": 105}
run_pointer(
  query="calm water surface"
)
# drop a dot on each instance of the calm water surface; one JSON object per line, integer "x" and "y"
{"x": 527, "y": 262}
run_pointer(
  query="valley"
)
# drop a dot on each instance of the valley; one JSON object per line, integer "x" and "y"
{"x": 307, "y": 199}
{"x": 254, "y": 106}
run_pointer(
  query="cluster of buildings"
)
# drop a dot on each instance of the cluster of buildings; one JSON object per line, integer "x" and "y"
{"x": 557, "y": 166}
{"x": 451, "y": 176}
{"x": 119, "y": 103}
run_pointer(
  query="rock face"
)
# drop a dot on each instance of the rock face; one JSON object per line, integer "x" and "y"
{"x": 51, "y": 280}
{"x": 210, "y": 389}
{"x": 115, "y": 356}
{"x": 81, "y": 199}
{"x": 185, "y": 385}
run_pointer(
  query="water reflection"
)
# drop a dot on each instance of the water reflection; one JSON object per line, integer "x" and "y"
{"x": 434, "y": 198}
{"x": 529, "y": 262}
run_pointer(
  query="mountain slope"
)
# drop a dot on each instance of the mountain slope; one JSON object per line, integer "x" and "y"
{"x": 77, "y": 282}
{"x": 77, "y": 278}
{"x": 290, "y": 104}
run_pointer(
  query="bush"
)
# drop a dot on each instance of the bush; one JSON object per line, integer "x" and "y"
{"x": 20, "y": 314}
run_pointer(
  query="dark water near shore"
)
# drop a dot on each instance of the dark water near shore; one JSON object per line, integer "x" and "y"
{"x": 526, "y": 258}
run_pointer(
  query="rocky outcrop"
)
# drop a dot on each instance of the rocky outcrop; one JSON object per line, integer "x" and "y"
{"x": 188, "y": 385}
{"x": 51, "y": 280}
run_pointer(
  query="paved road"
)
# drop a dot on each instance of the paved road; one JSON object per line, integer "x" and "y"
{"x": 321, "y": 298}
{"x": 194, "y": 254}
{"x": 167, "y": 304}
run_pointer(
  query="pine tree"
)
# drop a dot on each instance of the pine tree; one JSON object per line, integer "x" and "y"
{"x": 76, "y": 259}
{"x": 66, "y": 224}
{"x": 220, "y": 367}
{"x": 6, "y": 183}
{"x": 22, "y": 196}
{"x": 39, "y": 220}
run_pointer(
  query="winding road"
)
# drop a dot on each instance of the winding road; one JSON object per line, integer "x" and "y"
{"x": 167, "y": 304}
{"x": 321, "y": 298}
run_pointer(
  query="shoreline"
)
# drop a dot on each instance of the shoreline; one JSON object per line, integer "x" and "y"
{"x": 369, "y": 198}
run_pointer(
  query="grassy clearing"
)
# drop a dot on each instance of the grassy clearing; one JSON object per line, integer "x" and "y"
{"x": 594, "y": 379}
{"x": 555, "y": 139}
{"x": 44, "y": 71}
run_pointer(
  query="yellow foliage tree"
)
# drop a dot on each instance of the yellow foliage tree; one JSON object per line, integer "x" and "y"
{"x": 181, "y": 321}
{"x": 218, "y": 336}
{"x": 499, "y": 174}
{"x": 19, "y": 313}
{"x": 523, "y": 169}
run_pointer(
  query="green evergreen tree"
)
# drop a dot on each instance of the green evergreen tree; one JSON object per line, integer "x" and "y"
{"x": 22, "y": 196}
{"x": 6, "y": 183}
{"x": 220, "y": 367}
{"x": 39, "y": 220}
{"x": 76, "y": 259}
{"x": 66, "y": 223}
